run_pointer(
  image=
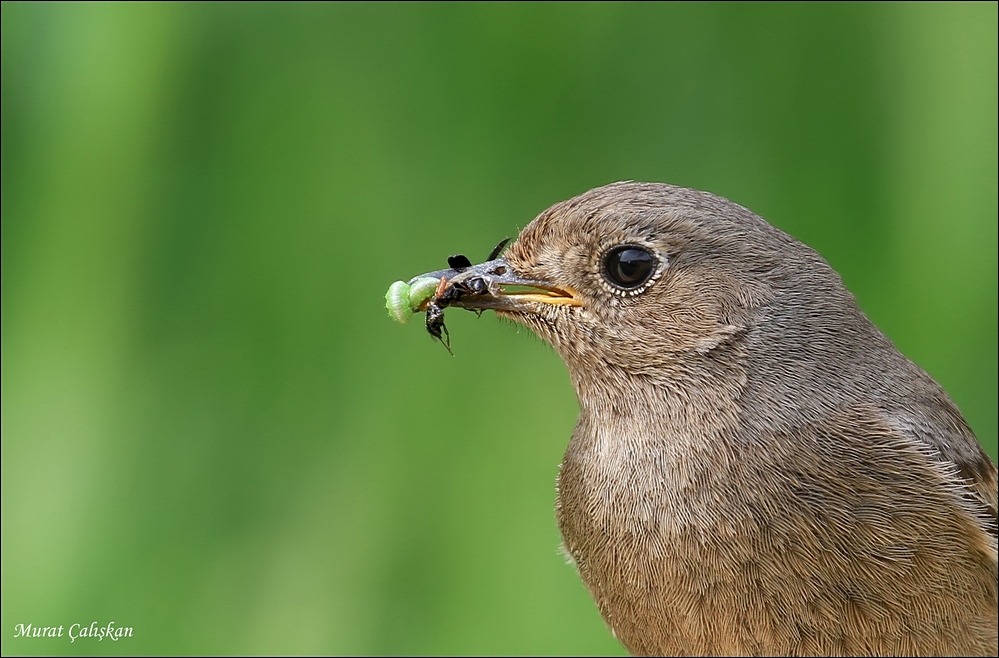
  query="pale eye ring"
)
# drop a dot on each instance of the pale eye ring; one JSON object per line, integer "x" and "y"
{"x": 629, "y": 267}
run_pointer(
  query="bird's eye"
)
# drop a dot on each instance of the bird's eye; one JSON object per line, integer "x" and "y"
{"x": 629, "y": 267}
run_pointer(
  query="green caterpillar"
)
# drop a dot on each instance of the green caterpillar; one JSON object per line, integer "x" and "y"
{"x": 404, "y": 299}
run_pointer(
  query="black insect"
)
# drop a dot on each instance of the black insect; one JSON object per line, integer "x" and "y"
{"x": 446, "y": 295}
{"x": 497, "y": 249}
{"x": 458, "y": 262}
{"x": 476, "y": 286}
{"x": 436, "y": 326}
{"x": 435, "y": 315}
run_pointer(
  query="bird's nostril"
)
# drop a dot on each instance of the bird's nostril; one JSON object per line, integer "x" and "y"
{"x": 500, "y": 271}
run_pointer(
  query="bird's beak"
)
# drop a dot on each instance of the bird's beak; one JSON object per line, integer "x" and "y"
{"x": 494, "y": 285}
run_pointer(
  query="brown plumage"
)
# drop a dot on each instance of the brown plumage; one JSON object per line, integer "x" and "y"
{"x": 755, "y": 469}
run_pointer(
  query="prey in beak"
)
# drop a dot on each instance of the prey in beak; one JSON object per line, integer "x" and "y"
{"x": 494, "y": 285}
{"x": 489, "y": 285}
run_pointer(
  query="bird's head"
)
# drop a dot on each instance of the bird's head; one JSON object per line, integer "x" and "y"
{"x": 644, "y": 279}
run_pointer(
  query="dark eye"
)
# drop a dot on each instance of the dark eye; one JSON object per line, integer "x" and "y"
{"x": 629, "y": 266}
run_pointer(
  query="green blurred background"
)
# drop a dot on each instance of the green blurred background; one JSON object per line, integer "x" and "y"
{"x": 213, "y": 433}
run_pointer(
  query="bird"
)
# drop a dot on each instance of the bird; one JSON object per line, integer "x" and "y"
{"x": 756, "y": 469}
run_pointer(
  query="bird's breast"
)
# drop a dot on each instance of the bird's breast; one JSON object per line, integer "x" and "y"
{"x": 643, "y": 529}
